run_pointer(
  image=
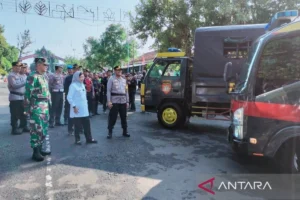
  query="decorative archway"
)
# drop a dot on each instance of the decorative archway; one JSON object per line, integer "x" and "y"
{"x": 48, "y": 55}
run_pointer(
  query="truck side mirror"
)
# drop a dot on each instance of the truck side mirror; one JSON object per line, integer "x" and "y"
{"x": 227, "y": 72}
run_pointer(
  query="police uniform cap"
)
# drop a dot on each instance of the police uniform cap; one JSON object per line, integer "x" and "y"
{"x": 117, "y": 68}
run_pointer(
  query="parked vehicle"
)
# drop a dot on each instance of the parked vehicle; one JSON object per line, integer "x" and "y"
{"x": 266, "y": 99}
{"x": 177, "y": 87}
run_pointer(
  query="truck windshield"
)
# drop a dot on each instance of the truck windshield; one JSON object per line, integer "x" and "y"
{"x": 246, "y": 67}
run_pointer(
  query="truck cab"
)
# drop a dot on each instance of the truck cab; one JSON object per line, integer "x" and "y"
{"x": 265, "y": 100}
{"x": 177, "y": 87}
{"x": 167, "y": 89}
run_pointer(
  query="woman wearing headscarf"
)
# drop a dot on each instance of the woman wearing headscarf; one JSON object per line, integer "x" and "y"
{"x": 79, "y": 108}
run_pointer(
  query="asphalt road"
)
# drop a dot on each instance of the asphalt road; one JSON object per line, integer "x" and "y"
{"x": 154, "y": 163}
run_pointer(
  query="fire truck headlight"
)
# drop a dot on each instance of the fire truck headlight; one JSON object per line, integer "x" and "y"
{"x": 238, "y": 121}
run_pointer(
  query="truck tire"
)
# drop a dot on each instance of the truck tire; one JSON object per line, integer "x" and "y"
{"x": 170, "y": 115}
{"x": 287, "y": 159}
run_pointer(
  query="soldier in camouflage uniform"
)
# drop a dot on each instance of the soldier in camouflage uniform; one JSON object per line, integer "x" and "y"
{"x": 37, "y": 99}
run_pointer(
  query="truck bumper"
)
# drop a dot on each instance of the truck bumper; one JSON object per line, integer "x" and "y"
{"x": 239, "y": 146}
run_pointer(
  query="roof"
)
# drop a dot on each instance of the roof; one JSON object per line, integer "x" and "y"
{"x": 230, "y": 27}
{"x": 149, "y": 56}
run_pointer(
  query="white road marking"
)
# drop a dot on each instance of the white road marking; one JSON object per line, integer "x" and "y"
{"x": 48, "y": 183}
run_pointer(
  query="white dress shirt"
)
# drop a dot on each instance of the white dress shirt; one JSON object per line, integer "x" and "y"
{"x": 77, "y": 97}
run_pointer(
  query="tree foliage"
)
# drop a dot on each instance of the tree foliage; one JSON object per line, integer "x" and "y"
{"x": 110, "y": 49}
{"x": 8, "y": 53}
{"x": 71, "y": 60}
{"x": 172, "y": 23}
{"x": 24, "y": 41}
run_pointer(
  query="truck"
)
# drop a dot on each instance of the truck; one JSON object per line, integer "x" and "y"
{"x": 265, "y": 105}
{"x": 177, "y": 87}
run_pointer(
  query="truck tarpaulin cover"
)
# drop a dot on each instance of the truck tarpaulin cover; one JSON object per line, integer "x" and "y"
{"x": 217, "y": 45}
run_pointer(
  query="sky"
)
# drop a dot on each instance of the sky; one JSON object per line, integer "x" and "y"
{"x": 64, "y": 37}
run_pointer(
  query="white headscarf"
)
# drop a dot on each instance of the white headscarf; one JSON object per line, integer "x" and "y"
{"x": 76, "y": 78}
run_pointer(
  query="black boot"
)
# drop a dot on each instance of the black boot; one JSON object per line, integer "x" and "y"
{"x": 16, "y": 131}
{"x": 109, "y": 136}
{"x": 125, "y": 133}
{"x": 37, "y": 155}
{"x": 26, "y": 129}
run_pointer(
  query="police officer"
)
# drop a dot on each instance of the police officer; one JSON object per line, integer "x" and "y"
{"x": 117, "y": 98}
{"x": 104, "y": 89}
{"x": 37, "y": 100}
{"x": 56, "y": 86}
{"x": 16, "y": 86}
{"x": 67, "y": 83}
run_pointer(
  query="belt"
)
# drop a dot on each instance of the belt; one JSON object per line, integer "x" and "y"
{"x": 58, "y": 90}
{"x": 117, "y": 94}
{"x": 17, "y": 93}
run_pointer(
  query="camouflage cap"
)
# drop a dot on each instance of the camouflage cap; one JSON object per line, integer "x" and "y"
{"x": 40, "y": 60}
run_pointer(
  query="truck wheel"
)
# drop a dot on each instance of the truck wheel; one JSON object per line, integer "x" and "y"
{"x": 287, "y": 159}
{"x": 170, "y": 115}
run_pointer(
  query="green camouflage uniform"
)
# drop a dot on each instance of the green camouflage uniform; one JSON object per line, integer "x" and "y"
{"x": 37, "y": 98}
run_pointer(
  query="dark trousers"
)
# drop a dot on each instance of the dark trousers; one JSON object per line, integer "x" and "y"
{"x": 132, "y": 100}
{"x": 104, "y": 101}
{"x": 57, "y": 100}
{"x": 17, "y": 113}
{"x": 113, "y": 114}
{"x": 82, "y": 122}
{"x": 96, "y": 103}
{"x": 101, "y": 98}
{"x": 89, "y": 96}
{"x": 67, "y": 109}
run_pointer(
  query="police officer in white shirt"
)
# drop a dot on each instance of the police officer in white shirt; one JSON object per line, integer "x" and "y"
{"x": 118, "y": 101}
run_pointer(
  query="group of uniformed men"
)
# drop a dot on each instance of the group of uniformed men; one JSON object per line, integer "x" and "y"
{"x": 39, "y": 96}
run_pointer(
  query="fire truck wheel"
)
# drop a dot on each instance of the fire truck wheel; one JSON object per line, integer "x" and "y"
{"x": 170, "y": 115}
{"x": 287, "y": 159}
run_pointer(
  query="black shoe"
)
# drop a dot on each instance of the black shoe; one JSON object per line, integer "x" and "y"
{"x": 44, "y": 153}
{"x": 51, "y": 126}
{"x": 126, "y": 135}
{"x": 16, "y": 131}
{"x": 78, "y": 142}
{"x": 37, "y": 156}
{"x": 97, "y": 114}
{"x": 109, "y": 137}
{"x": 92, "y": 141}
{"x": 26, "y": 129}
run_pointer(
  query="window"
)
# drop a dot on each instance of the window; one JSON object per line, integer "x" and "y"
{"x": 166, "y": 68}
{"x": 158, "y": 68}
{"x": 236, "y": 48}
{"x": 279, "y": 64}
{"x": 173, "y": 68}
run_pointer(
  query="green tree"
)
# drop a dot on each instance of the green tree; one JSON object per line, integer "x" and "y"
{"x": 110, "y": 49}
{"x": 8, "y": 54}
{"x": 70, "y": 60}
{"x": 24, "y": 41}
{"x": 172, "y": 22}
